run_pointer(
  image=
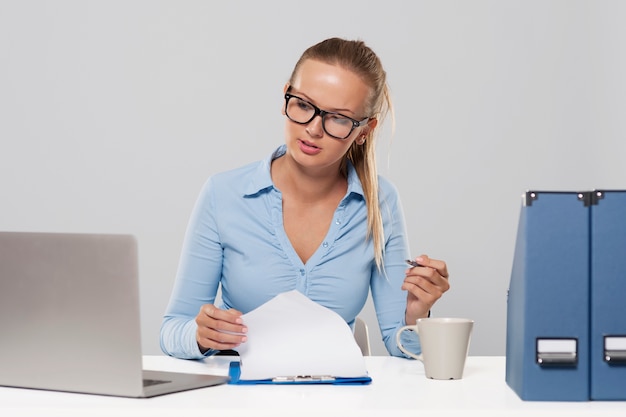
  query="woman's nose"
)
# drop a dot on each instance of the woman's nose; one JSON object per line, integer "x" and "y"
{"x": 315, "y": 128}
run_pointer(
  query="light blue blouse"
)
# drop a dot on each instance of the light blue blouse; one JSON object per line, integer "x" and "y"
{"x": 236, "y": 238}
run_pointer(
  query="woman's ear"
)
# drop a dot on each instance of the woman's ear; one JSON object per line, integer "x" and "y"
{"x": 371, "y": 124}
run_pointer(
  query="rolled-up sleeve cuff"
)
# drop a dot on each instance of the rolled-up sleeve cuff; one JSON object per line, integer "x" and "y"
{"x": 178, "y": 339}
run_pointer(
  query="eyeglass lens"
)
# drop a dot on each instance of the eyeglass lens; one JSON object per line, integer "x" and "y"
{"x": 303, "y": 112}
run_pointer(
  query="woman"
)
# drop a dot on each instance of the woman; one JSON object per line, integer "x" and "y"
{"x": 314, "y": 216}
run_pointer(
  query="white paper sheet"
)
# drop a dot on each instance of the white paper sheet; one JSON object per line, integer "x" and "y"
{"x": 291, "y": 335}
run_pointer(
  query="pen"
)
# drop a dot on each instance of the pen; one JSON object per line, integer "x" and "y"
{"x": 412, "y": 263}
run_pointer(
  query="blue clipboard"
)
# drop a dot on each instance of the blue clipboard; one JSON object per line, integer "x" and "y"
{"x": 234, "y": 372}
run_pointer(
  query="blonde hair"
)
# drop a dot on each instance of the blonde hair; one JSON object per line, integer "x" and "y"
{"x": 356, "y": 56}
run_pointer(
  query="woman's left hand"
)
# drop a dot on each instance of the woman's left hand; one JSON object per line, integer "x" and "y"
{"x": 425, "y": 285}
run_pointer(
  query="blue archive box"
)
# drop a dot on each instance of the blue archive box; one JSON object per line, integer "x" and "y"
{"x": 566, "y": 323}
{"x": 547, "y": 338}
{"x": 608, "y": 296}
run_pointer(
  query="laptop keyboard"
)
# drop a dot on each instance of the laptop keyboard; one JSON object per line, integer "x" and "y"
{"x": 151, "y": 382}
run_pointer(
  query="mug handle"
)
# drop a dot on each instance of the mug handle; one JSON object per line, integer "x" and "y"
{"x": 399, "y": 343}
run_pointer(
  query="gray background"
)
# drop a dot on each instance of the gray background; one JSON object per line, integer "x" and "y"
{"x": 114, "y": 113}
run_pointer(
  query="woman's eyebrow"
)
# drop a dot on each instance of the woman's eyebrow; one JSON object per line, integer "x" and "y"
{"x": 303, "y": 95}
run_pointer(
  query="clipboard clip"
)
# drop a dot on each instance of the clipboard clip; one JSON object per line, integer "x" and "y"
{"x": 303, "y": 378}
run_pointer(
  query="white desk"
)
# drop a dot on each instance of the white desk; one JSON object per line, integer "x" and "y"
{"x": 399, "y": 388}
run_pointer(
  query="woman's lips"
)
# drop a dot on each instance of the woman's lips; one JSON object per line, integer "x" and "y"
{"x": 308, "y": 148}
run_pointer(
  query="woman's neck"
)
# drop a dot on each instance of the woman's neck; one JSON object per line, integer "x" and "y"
{"x": 307, "y": 184}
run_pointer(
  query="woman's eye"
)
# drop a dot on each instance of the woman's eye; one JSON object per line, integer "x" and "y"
{"x": 339, "y": 120}
{"x": 304, "y": 105}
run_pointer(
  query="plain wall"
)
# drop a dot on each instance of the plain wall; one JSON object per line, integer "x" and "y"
{"x": 114, "y": 113}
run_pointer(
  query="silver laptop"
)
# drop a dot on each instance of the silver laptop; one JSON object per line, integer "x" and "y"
{"x": 69, "y": 317}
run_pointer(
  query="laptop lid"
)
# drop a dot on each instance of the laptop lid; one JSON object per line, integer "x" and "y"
{"x": 70, "y": 318}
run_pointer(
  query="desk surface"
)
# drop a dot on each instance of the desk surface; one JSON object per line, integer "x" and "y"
{"x": 399, "y": 388}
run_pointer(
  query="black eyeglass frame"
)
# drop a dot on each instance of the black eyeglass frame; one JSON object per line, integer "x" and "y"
{"x": 322, "y": 114}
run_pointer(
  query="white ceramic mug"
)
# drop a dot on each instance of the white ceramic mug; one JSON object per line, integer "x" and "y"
{"x": 445, "y": 344}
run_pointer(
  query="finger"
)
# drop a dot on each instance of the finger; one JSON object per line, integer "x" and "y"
{"x": 421, "y": 295}
{"x": 230, "y": 316}
{"x": 424, "y": 289}
{"x": 219, "y": 329}
{"x": 211, "y": 339}
{"x": 427, "y": 284}
{"x": 228, "y": 321}
{"x": 428, "y": 273}
{"x": 438, "y": 265}
{"x": 221, "y": 337}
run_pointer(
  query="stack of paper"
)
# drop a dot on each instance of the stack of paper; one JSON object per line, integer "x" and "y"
{"x": 294, "y": 339}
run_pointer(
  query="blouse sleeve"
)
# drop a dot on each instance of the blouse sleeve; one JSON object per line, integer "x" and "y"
{"x": 197, "y": 279}
{"x": 388, "y": 297}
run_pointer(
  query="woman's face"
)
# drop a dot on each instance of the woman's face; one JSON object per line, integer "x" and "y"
{"x": 333, "y": 89}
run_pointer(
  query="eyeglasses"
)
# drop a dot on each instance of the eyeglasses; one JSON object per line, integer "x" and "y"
{"x": 335, "y": 125}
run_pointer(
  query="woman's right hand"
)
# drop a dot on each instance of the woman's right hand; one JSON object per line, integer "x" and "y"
{"x": 219, "y": 329}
